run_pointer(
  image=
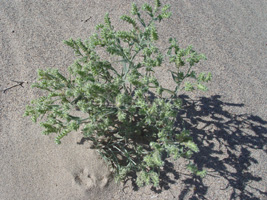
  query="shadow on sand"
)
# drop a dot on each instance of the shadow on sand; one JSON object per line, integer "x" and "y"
{"x": 225, "y": 142}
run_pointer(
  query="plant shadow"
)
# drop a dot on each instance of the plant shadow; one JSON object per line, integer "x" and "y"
{"x": 225, "y": 142}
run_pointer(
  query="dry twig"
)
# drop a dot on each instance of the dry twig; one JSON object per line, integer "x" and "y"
{"x": 18, "y": 83}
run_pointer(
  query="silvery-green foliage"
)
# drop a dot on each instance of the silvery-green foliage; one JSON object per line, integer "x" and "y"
{"x": 130, "y": 129}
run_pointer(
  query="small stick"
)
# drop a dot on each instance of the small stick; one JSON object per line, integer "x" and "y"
{"x": 19, "y": 83}
{"x": 86, "y": 19}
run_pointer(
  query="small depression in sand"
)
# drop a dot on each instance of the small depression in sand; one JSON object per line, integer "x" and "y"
{"x": 85, "y": 167}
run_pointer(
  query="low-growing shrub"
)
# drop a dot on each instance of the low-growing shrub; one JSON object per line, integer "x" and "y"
{"x": 129, "y": 115}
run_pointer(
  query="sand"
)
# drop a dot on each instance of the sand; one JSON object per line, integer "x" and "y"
{"x": 229, "y": 122}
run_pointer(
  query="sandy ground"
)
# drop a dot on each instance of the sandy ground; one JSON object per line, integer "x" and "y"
{"x": 228, "y": 122}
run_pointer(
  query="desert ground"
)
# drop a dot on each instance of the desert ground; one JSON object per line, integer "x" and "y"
{"x": 228, "y": 122}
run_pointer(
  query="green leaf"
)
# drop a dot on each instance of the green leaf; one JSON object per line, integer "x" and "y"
{"x": 61, "y": 135}
{"x": 202, "y": 173}
{"x": 128, "y": 19}
{"x": 107, "y": 20}
{"x": 154, "y": 33}
{"x": 154, "y": 178}
{"x": 202, "y": 87}
{"x": 188, "y": 87}
{"x": 134, "y": 10}
{"x": 191, "y": 145}
{"x": 157, "y": 3}
{"x": 125, "y": 70}
{"x": 61, "y": 76}
{"x": 70, "y": 43}
{"x": 165, "y": 13}
{"x": 208, "y": 77}
{"x": 99, "y": 26}
{"x": 193, "y": 168}
{"x": 82, "y": 46}
{"x": 147, "y": 7}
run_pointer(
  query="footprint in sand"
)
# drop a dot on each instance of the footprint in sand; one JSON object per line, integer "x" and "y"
{"x": 86, "y": 180}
